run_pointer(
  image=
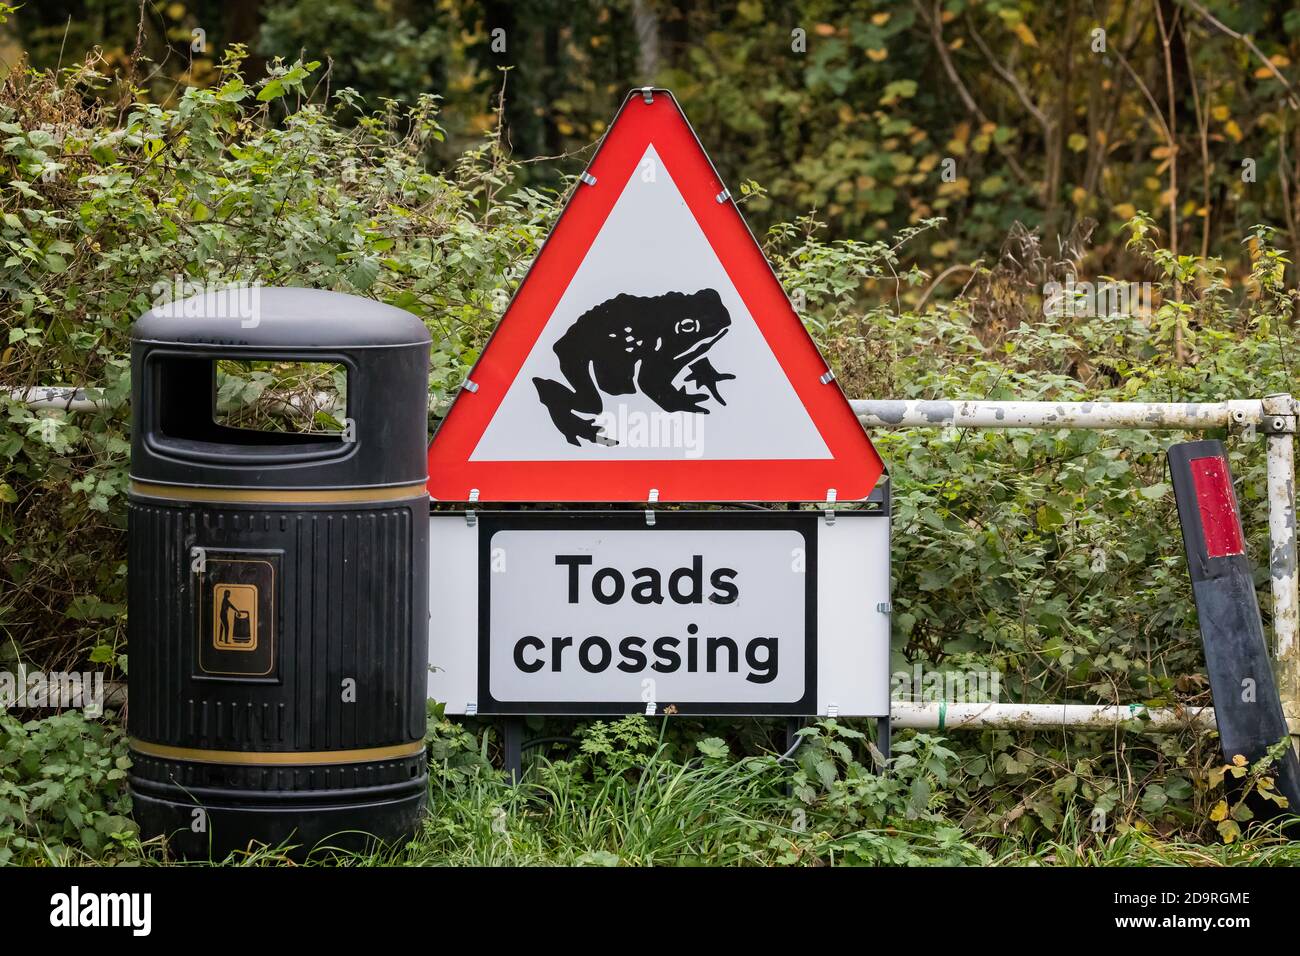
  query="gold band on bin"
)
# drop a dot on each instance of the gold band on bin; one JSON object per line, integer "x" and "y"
{"x": 277, "y": 495}
{"x": 277, "y": 758}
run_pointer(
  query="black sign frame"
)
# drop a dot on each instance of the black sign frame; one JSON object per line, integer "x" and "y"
{"x": 802, "y": 522}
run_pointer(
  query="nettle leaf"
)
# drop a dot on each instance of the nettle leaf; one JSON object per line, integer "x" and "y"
{"x": 274, "y": 89}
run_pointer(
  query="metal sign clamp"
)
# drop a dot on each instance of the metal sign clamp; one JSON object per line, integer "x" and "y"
{"x": 649, "y": 512}
{"x": 471, "y": 516}
{"x": 1278, "y": 424}
{"x": 830, "y": 512}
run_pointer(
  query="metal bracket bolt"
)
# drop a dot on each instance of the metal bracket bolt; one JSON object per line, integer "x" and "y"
{"x": 1279, "y": 415}
{"x": 1278, "y": 425}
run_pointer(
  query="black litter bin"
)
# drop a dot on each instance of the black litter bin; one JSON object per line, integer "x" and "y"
{"x": 278, "y": 622}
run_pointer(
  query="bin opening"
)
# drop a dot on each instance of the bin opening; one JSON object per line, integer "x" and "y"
{"x": 265, "y": 409}
{"x": 271, "y": 396}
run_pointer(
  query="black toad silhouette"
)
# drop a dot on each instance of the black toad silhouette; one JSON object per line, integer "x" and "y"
{"x": 630, "y": 343}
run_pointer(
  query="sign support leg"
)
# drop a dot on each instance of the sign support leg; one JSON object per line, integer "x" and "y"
{"x": 512, "y": 735}
{"x": 882, "y": 737}
{"x": 792, "y": 727}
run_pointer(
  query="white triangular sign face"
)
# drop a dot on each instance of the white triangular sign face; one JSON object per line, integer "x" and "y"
{"x": 650, "y": 352}
{"x": 755, "y": 415}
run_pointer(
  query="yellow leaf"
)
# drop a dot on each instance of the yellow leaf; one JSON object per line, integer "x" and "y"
{"x": 1220, "y": 113}
{"x": 1125, "y": 210}
{"x": 1026, "y": 35}
{"x": 880, "y": 19}
{"x": 1238, "y": 760}
{"x": 875, "y": 56}
{"x": 825, "y": 29}
{"x": 1220, "y": 811}
{"x": 1077, "y": 142}
{"x": 958, "y": 187}
{"x": 1233, "y": 130}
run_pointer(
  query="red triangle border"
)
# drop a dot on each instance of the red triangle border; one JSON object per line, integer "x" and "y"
{"x": 854, "y": 466}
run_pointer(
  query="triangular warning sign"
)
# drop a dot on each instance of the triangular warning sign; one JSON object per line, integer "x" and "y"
{"x": 649, "y": 349}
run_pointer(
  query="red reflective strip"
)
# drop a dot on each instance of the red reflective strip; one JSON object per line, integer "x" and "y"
{"x": 1218, "y": 505}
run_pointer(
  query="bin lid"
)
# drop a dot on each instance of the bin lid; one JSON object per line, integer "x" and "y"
{"x": 278, "y": 318}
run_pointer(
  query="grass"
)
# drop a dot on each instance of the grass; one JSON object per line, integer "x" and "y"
{"x": 699, "y": 814}
{"x": 623, "y": 795}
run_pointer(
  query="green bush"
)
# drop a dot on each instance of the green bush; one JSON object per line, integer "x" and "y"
{"x": 63, "y": 790}
{"x": 103, "y": 219}
{"x": 1051, "y": 557}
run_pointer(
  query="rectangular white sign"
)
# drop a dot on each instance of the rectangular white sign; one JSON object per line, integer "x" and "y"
{"x": 702, "y": 612}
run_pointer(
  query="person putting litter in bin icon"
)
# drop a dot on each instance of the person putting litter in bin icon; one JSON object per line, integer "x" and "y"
{"x": 234, "y": 627}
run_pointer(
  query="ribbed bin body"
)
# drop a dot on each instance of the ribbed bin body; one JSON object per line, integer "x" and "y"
{"x": 278, "y": 619}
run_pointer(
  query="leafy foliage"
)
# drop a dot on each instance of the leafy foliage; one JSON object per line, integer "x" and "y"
{"x": 103, "y": 220}
{"x": 1049, "y": 557}
{"x": 878, "y": 113}
{"x": 63, "y": 790}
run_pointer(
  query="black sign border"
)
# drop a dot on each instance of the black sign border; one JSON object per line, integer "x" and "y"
{"x": 802, "y": 522}
{"x": 275, "y": 558}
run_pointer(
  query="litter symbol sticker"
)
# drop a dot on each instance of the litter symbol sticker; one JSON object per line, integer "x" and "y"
{"x": 237, "y": 632}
